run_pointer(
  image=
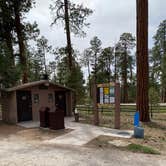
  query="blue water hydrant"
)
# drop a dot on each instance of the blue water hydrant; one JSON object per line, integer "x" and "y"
{"x": 138, "y": 130}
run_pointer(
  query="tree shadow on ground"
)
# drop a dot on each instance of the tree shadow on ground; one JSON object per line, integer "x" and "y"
{"x": 156, "y": 125}
{"x": 8, "y": 129}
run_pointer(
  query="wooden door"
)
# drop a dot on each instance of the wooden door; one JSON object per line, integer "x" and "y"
{"x": 60, "y": 100}
{"x": 24, "y": 106}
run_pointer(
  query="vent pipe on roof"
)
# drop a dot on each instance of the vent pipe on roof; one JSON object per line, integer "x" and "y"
{"x": 45, "y": 77}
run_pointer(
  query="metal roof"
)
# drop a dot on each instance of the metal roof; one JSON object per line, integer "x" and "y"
{"x": 31, "y": 84}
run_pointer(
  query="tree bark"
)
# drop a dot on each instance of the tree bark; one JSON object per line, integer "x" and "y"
{"x": 68, "y": 37}
{"x": 23, "y": 58}
{"x": 117, "y": 105}
{"x": 109, "y": 69}
{"x": 162, "y": 94}
{"x": 90, "y": 89}
{"x": 142, "y": 60}
{"x": 164, "y": 98}
{"x": 95, "y": 107}
{"x": 165, "y": 62}
{"x": 115, "y": 65}
{"x": 125, "y": 86}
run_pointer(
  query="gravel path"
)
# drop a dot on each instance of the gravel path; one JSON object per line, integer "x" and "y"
{"x": 29, "y": 147}
{"x": 29, "y": 154}
{"x": 83, "y": 133}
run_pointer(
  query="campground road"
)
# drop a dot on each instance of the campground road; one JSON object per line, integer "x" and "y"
{"x": 14, "y": 152}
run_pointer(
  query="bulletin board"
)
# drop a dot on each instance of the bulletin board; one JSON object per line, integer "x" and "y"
{"x": 106, "y": 94}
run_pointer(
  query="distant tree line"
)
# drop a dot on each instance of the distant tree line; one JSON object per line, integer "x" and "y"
{"x": 112, "y": 63}
{"x": 23, "y": 52}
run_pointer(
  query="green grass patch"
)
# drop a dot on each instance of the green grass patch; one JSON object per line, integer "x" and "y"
{"x": 142, "y": 149}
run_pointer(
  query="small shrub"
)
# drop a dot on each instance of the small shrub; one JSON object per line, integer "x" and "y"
{"x": 142, "y": 149}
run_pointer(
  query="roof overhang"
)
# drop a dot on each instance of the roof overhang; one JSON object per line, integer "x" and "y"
{"x": 36, "y": 83}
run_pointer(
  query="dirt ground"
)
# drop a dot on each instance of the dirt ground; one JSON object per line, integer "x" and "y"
{"x": 155, "y": 131}
{"x": 26, "y": 147}
{"x": 32, "y": 135}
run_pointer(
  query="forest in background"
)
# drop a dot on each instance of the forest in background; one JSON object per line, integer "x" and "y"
{"x": 23, "y": 52}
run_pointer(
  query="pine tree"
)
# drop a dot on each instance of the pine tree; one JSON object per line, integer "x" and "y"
{"x": 158, "y": 59}
{"x": 9, "y": 74}
{"x": 125, "y": 61}
{"x": 19, "y": 8}
{"x": 73, "y": 18}
{"x": 7, "y": 28}
{"x": 37, "y": 66}
{"x": 74, "y": 79}
{"x": 142, "y": 60}
{"x": 105, "y": 65}
{"x": 95, "y": 47}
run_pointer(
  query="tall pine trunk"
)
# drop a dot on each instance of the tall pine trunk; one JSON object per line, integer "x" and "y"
{"x": 109, "y": 69}
{"x": 164, "y": 61}
{"x": 115, "y": 65}
{"x": 142, "y": 60}
{"x": 90, "y": 89}
{"x": 131, "y": 72}
{"x": 164, "y": 96}
{"x": 23, "y": 59}
{"x": 125, "y": 86}
{"x": 68, "y": 37}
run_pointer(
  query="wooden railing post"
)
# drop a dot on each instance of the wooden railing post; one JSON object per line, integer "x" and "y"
{"x": 95, "y": 107}
{"x": 117, "y": 106}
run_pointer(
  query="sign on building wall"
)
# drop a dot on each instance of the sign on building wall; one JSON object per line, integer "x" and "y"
{"x": 106, "y": 94}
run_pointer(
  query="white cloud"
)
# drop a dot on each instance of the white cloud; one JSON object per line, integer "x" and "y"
{"x": 110, "y": 19}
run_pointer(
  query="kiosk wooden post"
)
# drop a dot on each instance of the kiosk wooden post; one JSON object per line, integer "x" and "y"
{"x": 117, "y": 106}
{"x": 95, "y": 107}
{"x": 108, "y": 94}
